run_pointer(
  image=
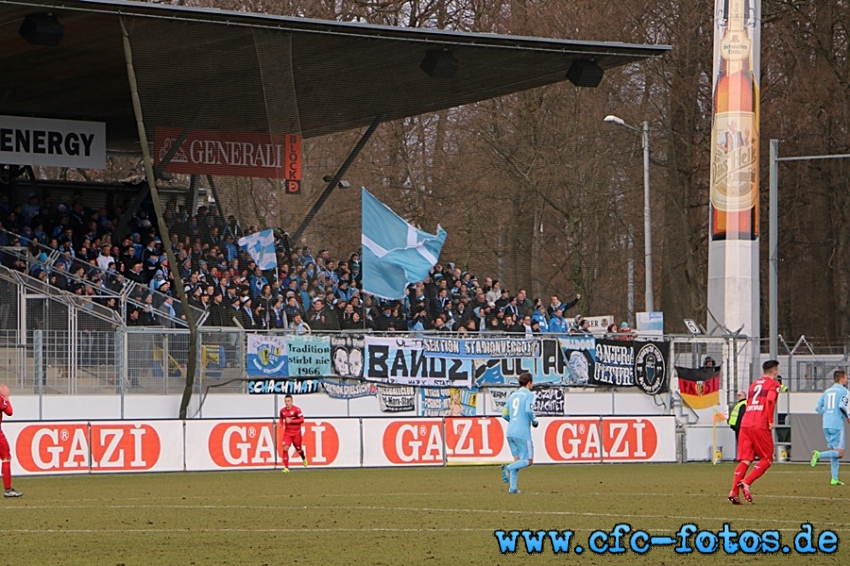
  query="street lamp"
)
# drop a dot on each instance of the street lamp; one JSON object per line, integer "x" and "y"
{"x": 647, "y": 219}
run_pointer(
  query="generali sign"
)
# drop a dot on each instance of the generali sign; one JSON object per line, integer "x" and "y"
{"x": 233, "y": 154}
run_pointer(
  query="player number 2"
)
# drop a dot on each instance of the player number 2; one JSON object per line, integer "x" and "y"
{"x": 756, "y": 394}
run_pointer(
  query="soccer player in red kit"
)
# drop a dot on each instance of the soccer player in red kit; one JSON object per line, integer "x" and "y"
{"x": 291, "y": 419}
{"x": 5, "y": 453}
{"x": 756, "y": 436}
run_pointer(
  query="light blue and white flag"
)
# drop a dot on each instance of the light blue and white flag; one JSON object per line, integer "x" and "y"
{"x": 260, "y": 246}
{"x": 394, "y": 252}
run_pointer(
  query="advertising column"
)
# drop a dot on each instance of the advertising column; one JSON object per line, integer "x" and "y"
{"x": 733, "y": 254}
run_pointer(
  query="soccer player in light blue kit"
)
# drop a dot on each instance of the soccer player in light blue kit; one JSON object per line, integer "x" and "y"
{"x": 520, "y": 416}
{"x": 833, "y": 406}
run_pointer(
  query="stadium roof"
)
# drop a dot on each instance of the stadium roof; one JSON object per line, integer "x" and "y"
{"x": 342, "y": 75}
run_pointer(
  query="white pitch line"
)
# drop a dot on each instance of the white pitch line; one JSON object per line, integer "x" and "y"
{"x": 192, "y": 531}
{"x": 450, "y": 510}
{"x": 718, "y": 495}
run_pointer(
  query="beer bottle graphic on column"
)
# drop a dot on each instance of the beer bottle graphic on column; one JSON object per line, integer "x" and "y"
{"x": 734, "y": 162}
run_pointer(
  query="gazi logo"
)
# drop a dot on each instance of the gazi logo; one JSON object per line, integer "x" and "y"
{"x": 67, "y": 447}
{"x": 320, "y": 441}
{"x": 477, "y": 438}
{"x": 242, "y": 444}
{"x": 414, "y": 442}
{"x": 595, "y": 440}
{"x": 252, "y": 444}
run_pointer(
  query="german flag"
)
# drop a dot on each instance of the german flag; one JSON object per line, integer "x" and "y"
{"x": 700, "y": 388}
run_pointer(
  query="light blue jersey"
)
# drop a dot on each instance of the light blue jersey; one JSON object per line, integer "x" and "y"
{"x": 833, "y": 406}
{"x": 519, "y": 414}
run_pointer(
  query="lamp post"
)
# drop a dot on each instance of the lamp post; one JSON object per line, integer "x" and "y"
{"x": 647, "y": 218}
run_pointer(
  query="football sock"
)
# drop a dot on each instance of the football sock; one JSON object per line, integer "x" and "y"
{"x": 285, "y": 458}
{"x": 514, "y": 468}
{"x": 519, "y": 464}
{"x": 829, "y": 454}
{"x": 7, "y": 474}
{"x": 303, "y": 455}
{"x": 514, "y": 477}
{"x": 833, "y": 466}
{"x": 740, "y": 472}
{"x": 758, "y": 471}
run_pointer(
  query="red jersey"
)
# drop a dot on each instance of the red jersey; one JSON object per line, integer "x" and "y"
{"x": 5, "y": 407}
{"x": 761, "y": 402}
{"x": 296, "y": 416}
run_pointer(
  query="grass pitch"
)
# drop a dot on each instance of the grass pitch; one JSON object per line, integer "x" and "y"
{"x": 402, "y": 516}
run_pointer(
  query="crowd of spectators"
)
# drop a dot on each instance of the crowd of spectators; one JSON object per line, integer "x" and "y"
{"x": 308, "y": 292}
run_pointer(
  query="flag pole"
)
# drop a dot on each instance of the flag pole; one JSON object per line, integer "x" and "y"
{"x": 714, "y": 441}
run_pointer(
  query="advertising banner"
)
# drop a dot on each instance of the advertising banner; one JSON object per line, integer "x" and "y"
{"x": 199, "y": 445}
{"x": 403, "y": 442}
{"x": 477, "y": 440}
{"x": 449, "y": 402}
{"x": 101, "y": 447}
{"x": 608, "y": 439}
{"x": 403, "y": 361}
{"x": 52, "y": 143}
{"x": 254, "y": 444}
{"x": 267, "y": 356}
{"x": 347, "y": 355}
{"x": 234, "y": 154}
{"x": 396, "y": 398}
{"x": 348, "y": 389}
{"x": 309, "y": 355}
{"x": 284, "y": 386}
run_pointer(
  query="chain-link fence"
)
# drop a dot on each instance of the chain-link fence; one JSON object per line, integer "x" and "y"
{"x": 56, "y": 342}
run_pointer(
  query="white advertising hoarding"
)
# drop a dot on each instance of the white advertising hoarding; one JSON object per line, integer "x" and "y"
{"x": 52, "y": 143}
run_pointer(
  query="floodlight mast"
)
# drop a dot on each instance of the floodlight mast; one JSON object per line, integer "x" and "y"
{"x": 647, "y": 217}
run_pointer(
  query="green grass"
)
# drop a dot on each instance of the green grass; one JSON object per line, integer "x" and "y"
{"x": 400, "y": 516}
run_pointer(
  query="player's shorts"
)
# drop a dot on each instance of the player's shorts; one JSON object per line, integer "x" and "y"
{"x": 5, "y": 453}
{"x": 834, "y": 438}
{"x": 754, "y": 442}
{"x": 521, "y": 448}
{"x": 292, "y": 439}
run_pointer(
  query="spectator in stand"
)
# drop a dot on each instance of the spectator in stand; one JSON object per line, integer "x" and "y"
{"x": 265, "y": 297}
{"x": 299, "y": 325}
{"x": 540, "y": 318}
{"x": 582, "y": 326}
{"x": 31, "y": 209}
{"x": 441, "y": 303}
{"x": 558, "y": 324}
{"x": 625, "y": 332}
{"x": 261, "y": 320}
{"x": 217, "y": 310}
{"x": 232, "y": 229}
{"x": 556, "y": 303}
{"x": 319, "y": 318}
{"x": 245, "y": 314}
{"x": 386, "y": 322}
{"x": 511, "y": 309}
{"x": 495, "y": 292}
{"x": 524, "y": 304}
